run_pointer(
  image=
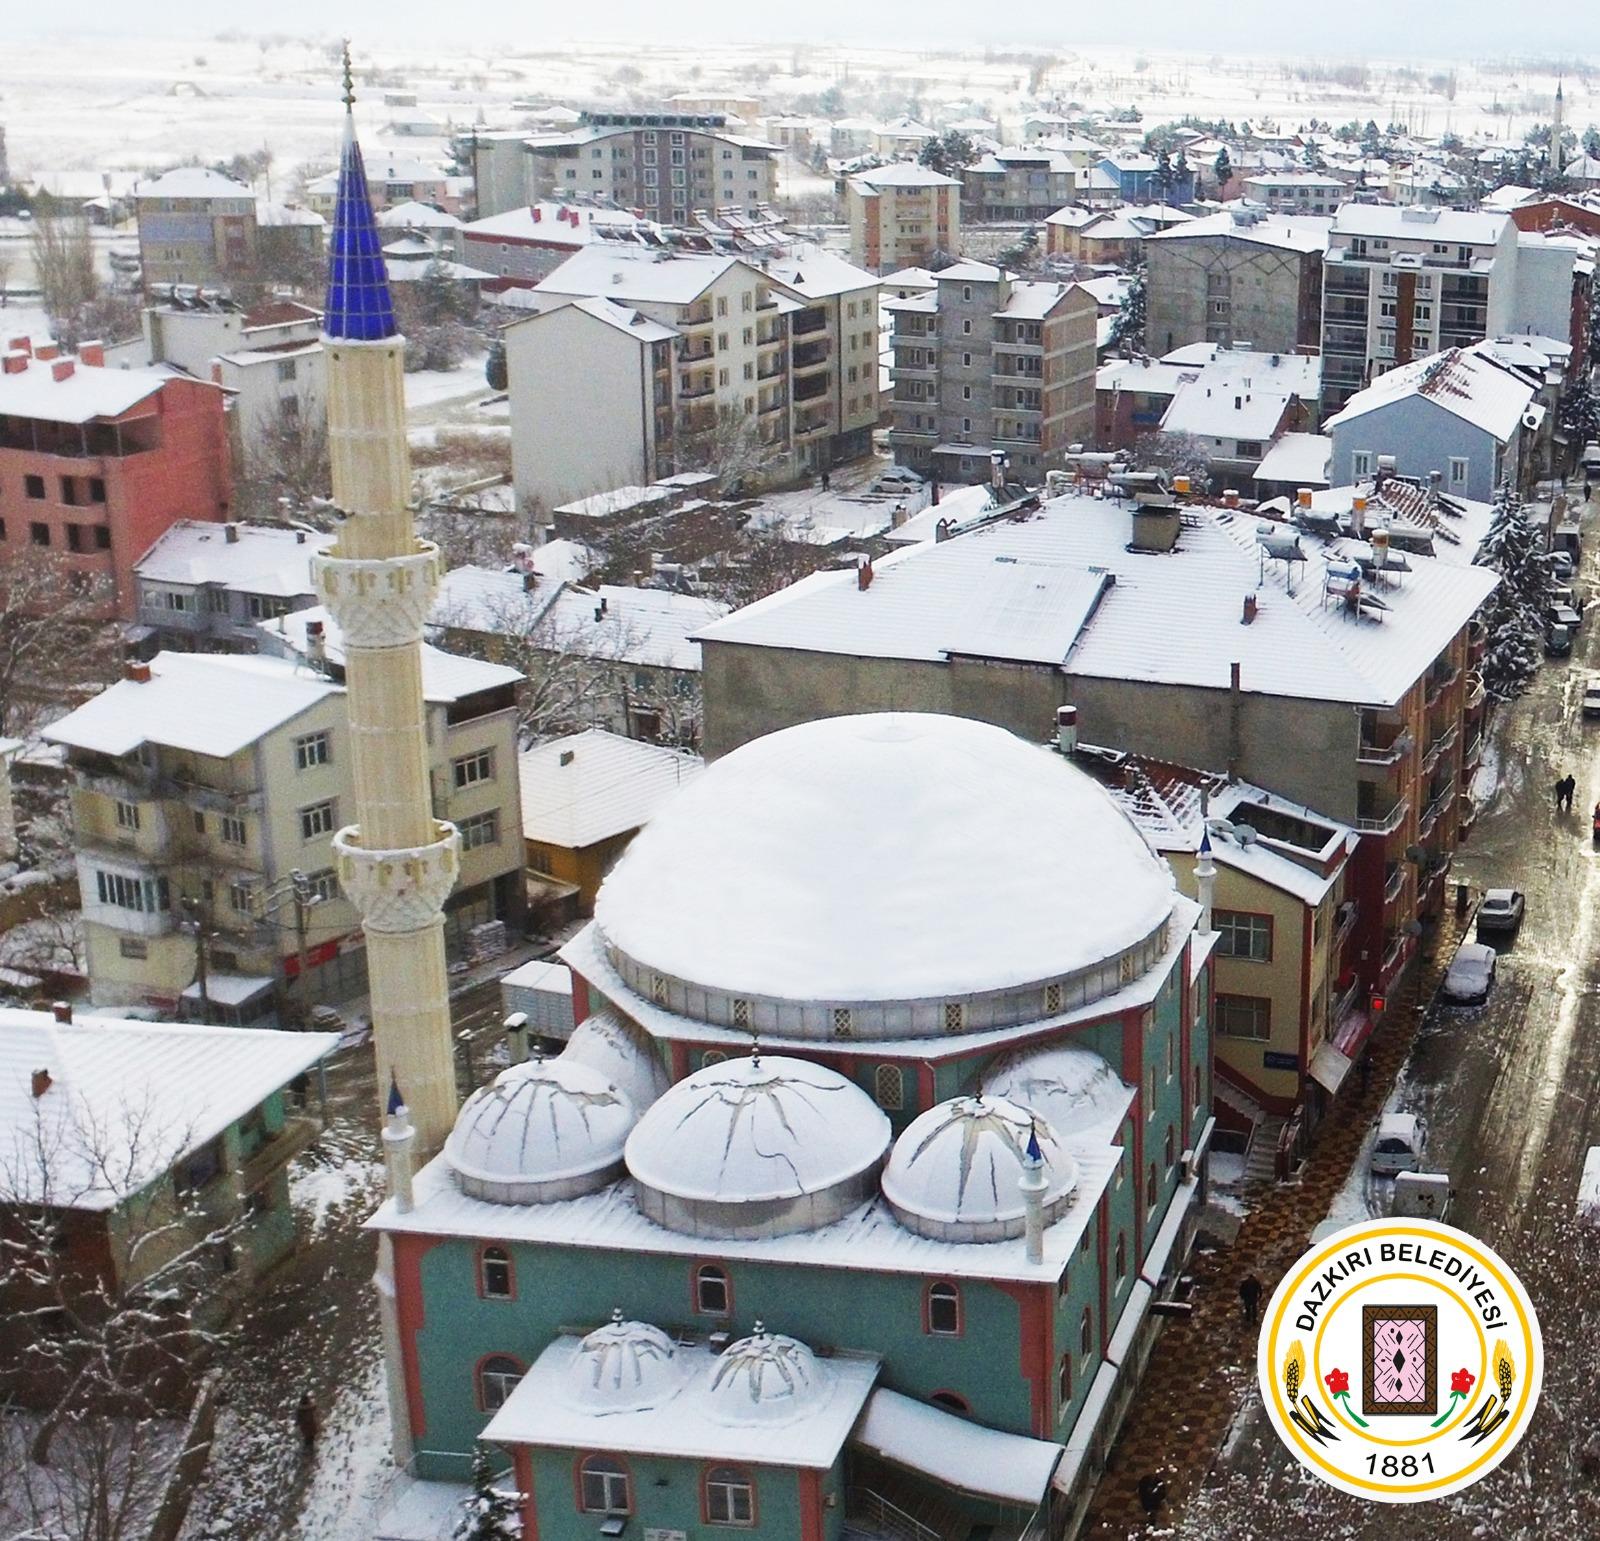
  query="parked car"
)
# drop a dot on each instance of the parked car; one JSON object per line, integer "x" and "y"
{"x": 897, "y": 479}
{"x": 1564, "y": 594}
{"x": 1564, "y": 615}
{"x": 1557, "y": 641}
{"x": 1501, "y": 912}
{"x": 1591, "y": 456}
{"x": 1470, "y": 977}
{"x": 1398, "y": 1147}
{"x": 1591, "y": 698}
{"x": 1425, "y": 1195}
{"x": 1560, "y": 563}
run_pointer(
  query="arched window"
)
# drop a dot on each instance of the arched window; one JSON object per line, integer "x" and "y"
{"x": 498, "y": 1375}
{"x": 952, "y": 1401}
{"x": 1122, "y": 1258}
{"x": 603, "y": 1485}
{"x": 730, "y": 1496}
{"x": 1169, "y": 1150}
{"x": 712, "y": 1057}
{"x": 1086, "y": 1333}
{"x": 712, "y": 1294}
{"x": 1151, "y": 1186}
{"x": 889, "y": 1087}
{"x": 943, "y": 1305}
{"x": 1064, "y": 1382}
{"x": 496, "y": 1278}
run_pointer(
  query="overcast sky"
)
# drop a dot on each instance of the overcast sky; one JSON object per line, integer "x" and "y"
{"x": 1387, "y": 28}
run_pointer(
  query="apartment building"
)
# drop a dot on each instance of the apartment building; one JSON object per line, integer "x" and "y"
{"x": 206, "y": 791}
{"x": 1287, "y": 658}
{"x": 987, "y": 362}
{"x": 393, "y": 179}
{"x": 196, "y": 226}
{"x": 1402, "y": 283}
{"x": 1241, "y": 278}
{"x": 1295, "y": 192}
{"x": 1021, "y": 183}
{"x": 901, "y": 216}
{"x": 96, "y": 463}
{"x": 520, "y": 246}
{"x": 669, "y": 164}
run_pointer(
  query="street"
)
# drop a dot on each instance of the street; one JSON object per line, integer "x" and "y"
{"x": 1510, "y": 1098}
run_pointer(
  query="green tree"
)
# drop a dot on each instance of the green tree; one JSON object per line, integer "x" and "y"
{"x": 488, "y": 1515}
{"x": 1223, "y": 168}
{"x": 1371, "y": 139}
{"x": 1514, "y": 616}
{"x": 494, "y": 365}
{"x": 1127, "y": 326}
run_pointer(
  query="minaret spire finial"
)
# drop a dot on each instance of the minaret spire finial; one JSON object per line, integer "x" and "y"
{"x": 349, "y": 80}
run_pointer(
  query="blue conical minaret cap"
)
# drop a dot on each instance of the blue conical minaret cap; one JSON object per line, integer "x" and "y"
{"x": 358, "y": 307}
{"x": 396, "y": 1101}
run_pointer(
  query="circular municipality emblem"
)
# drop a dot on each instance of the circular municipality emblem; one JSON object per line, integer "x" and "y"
{"x": 1400, "y": 1360}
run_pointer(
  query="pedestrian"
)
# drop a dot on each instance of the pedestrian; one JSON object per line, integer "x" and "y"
{"x": 308, "y": 1421}
{"x": 1588, "y": 489}
{"x": 1152, "y": 1492}
{"x": 827, "y": 479}
{"x": 1250, "y": 1298}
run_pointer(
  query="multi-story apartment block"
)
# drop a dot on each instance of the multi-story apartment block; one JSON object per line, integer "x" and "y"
{"x": 208, "y": 587}
{"x": 988, "y": 362}
{"x": 1295, "y": 192}
{"x": 669, "y": 164}
{"x": 96, "y": 463}
{"x": 195, "y": 227}
{"x": 1026, "y": 183}
{"x": 207, "y": 789}
{"x": 1240, "y": 279}
{"x": 1399, "y": 284}
{"x": 395, "y": 179}
{"x": 901, "y": 216}
{"x": 675, "y": 358}
{"x": 522, "y": 245}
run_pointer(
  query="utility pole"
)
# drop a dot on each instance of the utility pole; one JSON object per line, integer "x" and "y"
{"x": 295, "y": 890}
{"x": 197, "y": 918}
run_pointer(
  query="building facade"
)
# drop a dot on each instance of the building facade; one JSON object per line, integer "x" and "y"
{"x": 195, "y": 227}
{"x": 902, "y": 215}
{"x": 987, "y": 362}
{"x": 96, "y": 463}
{"x": 1022, "y": 183}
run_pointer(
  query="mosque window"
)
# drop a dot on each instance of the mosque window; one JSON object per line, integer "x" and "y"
{"x": 1052, "y": 999}
{"x": 497, "y": 1379}
{"x": 1064, "y": 1382}
{"x": 955, "y": 1016}
{"x": 712, "y": 1295}
{"x": 943, "y": 1310}
{"x": 712, "y": 1057}
{"x": 1122, "y": 1258}
{"x": 1086, "y": 1333}
{"x": 496, "y": 1278}
{"x": 603, "y": 1485}
{"x": 658, "y": 989}
{"x": 730, "y": 1496}
{"x": 889, "y": 1087}
{"x": 841, "y": 1021}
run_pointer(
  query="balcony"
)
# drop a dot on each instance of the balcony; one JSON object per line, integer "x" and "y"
{"x": 1383, "y": 821}
{"x": 808, "y": 322}
{"x": 698, "y": 392}
{"x": 1439, "y": 747}
{"x": 1395, "y": 954}
{"x": 1394, "y": 884}
{"x": 1472, "y": 750}
{"x": 1476, "y": 696}
{"x": 1349, "y": 912}
{"x": 808, "y": 359}
{"x": 1374, "y": 750}
{"x": 1431, "y": 814}
{"x": 1439, "y": 681}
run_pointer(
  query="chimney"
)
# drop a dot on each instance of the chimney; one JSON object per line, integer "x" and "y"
{"x": 92, "y": 355}
{"x": 516, "y": 1026}
{"x": 1230, "y": 497}
{"x": 522, "y": 557}
{"x": 1251, "y": 605}
{"x": 231, "y": 534}
{"x": 15, "y": 363}
{"x": 61, "y": 369}
{"x": 1067, "y": 729}
{"x": 41, "y": 1083}
{"x": 934, "y": 492}
{"x": 530, "y": 581}
{"x": 941, "y": 531}
{"x": 62, "y": 1011}
{"x": 137, "y": 670}
{"x": 1235, "y": 721}
{"x": 299, "y": 537}
{"x": 1033, "y": 1184}
{"x": 1302, "y": 497}
{"x": 47, "y": 351}
{"x": 864, "y": 574}
{"x": 22, "y": 345}
{"x": 1180, "y": 486}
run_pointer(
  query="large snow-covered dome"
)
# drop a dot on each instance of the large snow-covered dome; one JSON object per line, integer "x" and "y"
{"x": 622, "y": 1367}
{"x": 886, "y": 875}
{"x": 547, "y": 1129}
{"x": 757, "y": 1146}
{"x": 1070, "y": 1087}
{"x": 765, "y": 1378}
{"x": 621, "y": 1053}
{"x": 955, "y": 1173}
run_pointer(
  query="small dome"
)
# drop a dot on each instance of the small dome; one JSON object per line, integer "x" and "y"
{"x": 955, "y": 1171}
{"x": 1071, "y": 1088}
{"x": 621, "y": 1053}
{"x": 765, "y": 1378}
{"x": 547, "y": 1129}
{"x": 833, "y": 861}
{"x": 623, "y": 1367}
{"x": 758, "y": 1146}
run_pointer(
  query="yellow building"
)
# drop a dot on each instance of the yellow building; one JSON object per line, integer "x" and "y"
{"x": 586, "y": 796}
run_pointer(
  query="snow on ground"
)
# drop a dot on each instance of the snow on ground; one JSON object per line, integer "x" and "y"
{"x": 316, "y": 1192}
{"x": 1227, "y": 1182}
{"x": 354, "y": 1465}
{"x": 431, "y": 388}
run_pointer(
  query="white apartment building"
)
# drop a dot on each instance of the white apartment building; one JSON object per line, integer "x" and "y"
{"x": 206, "y": 791}
{"x": 901, "y": 215}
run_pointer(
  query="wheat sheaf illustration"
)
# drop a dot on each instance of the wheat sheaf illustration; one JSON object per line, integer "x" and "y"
{"x": 1305, "y": 1413}
{"x": 1496, "y": 1406}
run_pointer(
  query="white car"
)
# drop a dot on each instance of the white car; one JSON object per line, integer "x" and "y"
{"x": 1398, "y": 1147}
{"x": 1591, "y": 699}
{"x": 1470, "y": 977}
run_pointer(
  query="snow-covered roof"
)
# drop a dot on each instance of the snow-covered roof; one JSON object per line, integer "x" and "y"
{"x": 910, "y": 278}
{"x": 1073, "y": 216}
{"x": 542, "y": 1128}
{"x": 257, "y": 559}
{"x": 412, "y": 215}
{"x": 697, "y": 1405}
{"x": 957, "y": 1452}
{"x": 623, "y": 317}
{"x": 650, "y": 627}
{"x": 1290, "y": 232}
{"x": 1071, "y": 1087}
{"x": 595, "y": 785}
{"x": 816, "y": 273}
{"x": 1458, "y": 381}
{"x": 273, "y": 215}
{"x": 620, "y": 273}
{"x": 1453, "y": 226}
{"x": 551, "y": 224}
{"x": 902, "y": 174}
{"x": 492, "y": 599}
{"x": 446, "y": 677}
{"x": 621, "y": 1052}
{"x": 87, "y": 393}
{"x": 126, "y": 1100}
{"x": 1292, "y": 179}
{"x": 1301, "y": 458}
{"x": 193, "y": 182}
{"x": 1226, "y": 411}
{"x": 1173, "y": 620}
{"x": 207, "y": 703}
{"x": 820, "y": 863}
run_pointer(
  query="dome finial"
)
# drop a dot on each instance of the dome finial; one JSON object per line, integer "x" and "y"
{"x": 616, "y": 1313}
{"x": 349, "y": 79}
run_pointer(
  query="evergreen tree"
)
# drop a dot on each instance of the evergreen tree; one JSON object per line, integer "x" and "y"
{"x": 1579, "y": 412}
{"x": 1161, "y": 178}
{"x": 1127, "y": 326}
{"x": 932, "y": 155}
{"x": 1371, "y": 139}
{"x": 1182, "y": 180}
{"x": 1591, "y": 342}
{"x": 494, "y": 366}
{"x": 1591, "y": 141}
{"x": 488, "y": 1515}
{"x": 1223, "y": 168}
{"x": 1514, "y": 618}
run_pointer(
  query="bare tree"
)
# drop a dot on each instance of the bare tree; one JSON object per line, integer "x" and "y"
{"x": 1183, "y": 454}
{"x": 732, "y": 446}
{"x": 55, "y": 645}
{"x": 285, "y": 474}
{"x": 63, "y": 265}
